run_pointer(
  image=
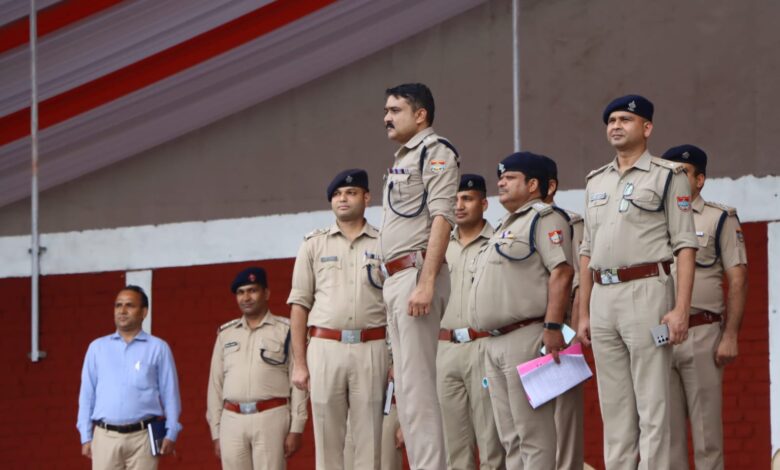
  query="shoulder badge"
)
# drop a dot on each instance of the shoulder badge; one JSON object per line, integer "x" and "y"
{"x": 727, "y": 209}
{"x": 669, "y": 165}
{"x": 542, "y": 208}
{"x": 596, "y": 172}
{"x": 316, "y": 233}
{"x": 229, "y": 324}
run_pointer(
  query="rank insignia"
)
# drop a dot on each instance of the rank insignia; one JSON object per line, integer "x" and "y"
{"x": 437, "y": 166}
{"x": 556, "y": 237}
{"x": 684, "y": 203}
{"x": 507, "y": 234}
{"x": 398, "y": 171}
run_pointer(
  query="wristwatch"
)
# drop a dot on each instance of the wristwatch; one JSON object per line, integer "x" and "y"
{"x": 552, "y": 326}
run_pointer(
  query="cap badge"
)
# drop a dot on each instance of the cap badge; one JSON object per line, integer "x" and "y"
{"x": 348, "y": 179}
{"x": 686, "y": 155}
{"x": 252, "y": 277}
{"x": 632, "y": 106}
{"x": 470, "y": 184}
{"x": 501, "y": 168}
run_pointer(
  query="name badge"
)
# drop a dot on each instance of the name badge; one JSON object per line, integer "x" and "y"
{"x": 231, "y": 344}
{"x": 326, "y": 259}
{"x": 598, "y": 196}
{"x": 699, "y": 234}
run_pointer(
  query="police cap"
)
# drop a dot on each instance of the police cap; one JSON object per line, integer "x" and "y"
{"x": 636, "y": 104}
{"x": 253, "y": 275}
{"x": 354, "y": 177}
{"x": 688, "y": 154}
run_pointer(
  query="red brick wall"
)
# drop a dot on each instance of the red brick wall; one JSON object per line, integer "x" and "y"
{"x": 38, "y": 402}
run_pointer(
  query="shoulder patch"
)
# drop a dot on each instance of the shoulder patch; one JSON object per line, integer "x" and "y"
{"x": 727, "y": 209}
{"x": 283, "y": 320}
{"x": 316, "y": 233}
{"x": 542, "y": 208}
{"x": 596, "y": 171}
{"x": 229, "y": 324}
{"x": 669, "y": 165}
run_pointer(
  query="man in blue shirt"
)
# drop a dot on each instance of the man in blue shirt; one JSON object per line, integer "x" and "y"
{"x": 128, "y": 380}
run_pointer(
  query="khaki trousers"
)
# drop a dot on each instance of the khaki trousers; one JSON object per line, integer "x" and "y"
{"x": 632, "y": 373}
{"x": 465, "y": 407}
{"x": 527, "y": 434}
{"x": 415, "y": 341}
{"x": 347, "y": 380}
{"x": 696, "y": 392}
{"x": 254, "y": 441}
{"x": 569, "y": 427}
{"x": 392, "y": 458}
{"x": 114, "y": 451}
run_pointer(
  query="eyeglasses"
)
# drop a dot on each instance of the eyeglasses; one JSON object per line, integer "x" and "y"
{"x": 628, "y": 190}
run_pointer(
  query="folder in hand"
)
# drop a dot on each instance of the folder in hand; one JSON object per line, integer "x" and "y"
{"x": 157, "y": 432}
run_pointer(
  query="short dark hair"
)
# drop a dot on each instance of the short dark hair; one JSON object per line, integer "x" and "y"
{"x": 418, "y": 95}
{"x": 544, "y": 181}
{"x": 138, "y": 290}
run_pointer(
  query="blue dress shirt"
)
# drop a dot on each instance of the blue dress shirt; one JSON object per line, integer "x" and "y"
{"x": 123, "y": 383}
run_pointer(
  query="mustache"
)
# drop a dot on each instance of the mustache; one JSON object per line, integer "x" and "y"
{"x": 389, "y": 125}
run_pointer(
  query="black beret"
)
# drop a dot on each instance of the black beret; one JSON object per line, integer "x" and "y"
{"x": 355, "y": 177}
{"x": 688, "y": 154}
{"x": 552, "y": 168}
{"x": 470, "y": 182}
{"x": 251, "y": 275}
{"x": 636, "y": 104}
{"x": 531, "y": 164}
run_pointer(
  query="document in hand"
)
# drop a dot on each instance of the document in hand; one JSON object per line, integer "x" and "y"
{"x": 544, "y": 380}
{"x": 157, "y": 433}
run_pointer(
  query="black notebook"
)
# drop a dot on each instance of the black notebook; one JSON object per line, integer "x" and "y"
{"x": 157, "y": 431}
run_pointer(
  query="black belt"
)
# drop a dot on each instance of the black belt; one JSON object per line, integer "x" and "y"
{"x": 126, "y": 428}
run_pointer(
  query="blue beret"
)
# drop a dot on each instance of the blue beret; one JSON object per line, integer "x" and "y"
{"x": 636, "y": 104}
{"x": 552, "y": 167}
{"x": 531, "y": 165}
{"x": 688, "y": 154}
{"x": 355, "y": 177}
{"x": 251, "y": 275}
{"x": 470, "y": 182}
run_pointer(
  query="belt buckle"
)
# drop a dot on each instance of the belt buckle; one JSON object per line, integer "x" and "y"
{"x": 495, "y": 332}
{"x": 350, "y": 336}
{"x": 383, "y": 268}
{"x": 461, "y": 335}
{"x": 609, "y": 276}
{"x": 247, "y": 408}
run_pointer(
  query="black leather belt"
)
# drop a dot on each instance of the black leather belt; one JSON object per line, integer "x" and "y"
{"x": 126, "y": 428}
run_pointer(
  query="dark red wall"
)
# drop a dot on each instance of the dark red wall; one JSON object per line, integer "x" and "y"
{"x": 38, "y": 402}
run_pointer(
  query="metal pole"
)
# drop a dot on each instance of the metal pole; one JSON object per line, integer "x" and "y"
{"x": 516, "y": 73}
{"x": 35, "y": 251}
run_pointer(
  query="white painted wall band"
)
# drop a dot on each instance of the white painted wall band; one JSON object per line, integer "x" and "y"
{"x": 277, "y": 236}
{"x": 773, "y": 259}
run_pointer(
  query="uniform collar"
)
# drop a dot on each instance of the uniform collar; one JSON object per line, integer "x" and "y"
{"x": 486, "y": 233}
{"x": 642, "y": 164}
{"x": 527, "y": 205}
{"x": 267, "y": 320}
{"x": 415, "y": 141}
{"x": 698, "y": 204}
{"x": 368, "y": 230}
{"x": 141, "y": 336}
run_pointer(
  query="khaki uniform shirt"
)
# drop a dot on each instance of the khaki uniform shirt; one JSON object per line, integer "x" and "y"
{"x": 405, "y": 194}
{"x": 460, "y": 260}
{"x": 239, "y": 373}
{"x": 331, "y": 280}
{"x": 708, "y": 278}
{"x": 577, "y": 225}
{"x": 507, "y": 291}
{"x": 655, "y": 221}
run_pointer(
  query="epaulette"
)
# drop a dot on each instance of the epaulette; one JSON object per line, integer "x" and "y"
{"x": 727, "y": 209}
{"x": 316, "y": 233}
{"x": 596, "y": 171}
{"x": 227, "y": 325}
{"x": 669, "y": 165}
{"x": 283, "y": 320}
{"x": 574, "y": 218}
{"x": 542, "y": 208}
{"x": 433, "y": 139}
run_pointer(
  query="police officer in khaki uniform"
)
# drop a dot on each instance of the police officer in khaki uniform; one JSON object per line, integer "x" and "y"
{"x": 520, "y": 294}
{"x": 569, "y": 407}
{"x": 697, "y": 372}
{"x": 460, "y": 363}
{"x": 337, "y": 296}
{"x": 638, "y": 218}
{"x": 392, "y": 444}
{"x": 417, "y": 217}
{"x": 255, "y": 415}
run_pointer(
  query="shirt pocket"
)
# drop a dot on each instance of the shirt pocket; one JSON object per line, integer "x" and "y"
{"x": 371, "y": 273}
{"x": 144, "y": 375}
{"x": 405, "y": 192}
{"x": 513, "y": 249}
{"x": 706, "y": 253}
{"x": 230, "y": 356}
{"x": 596, "y": 208}
{"x": 328, "y": 271}
{"x": 645, "y": 199}
{"x": 271, "y": 352}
